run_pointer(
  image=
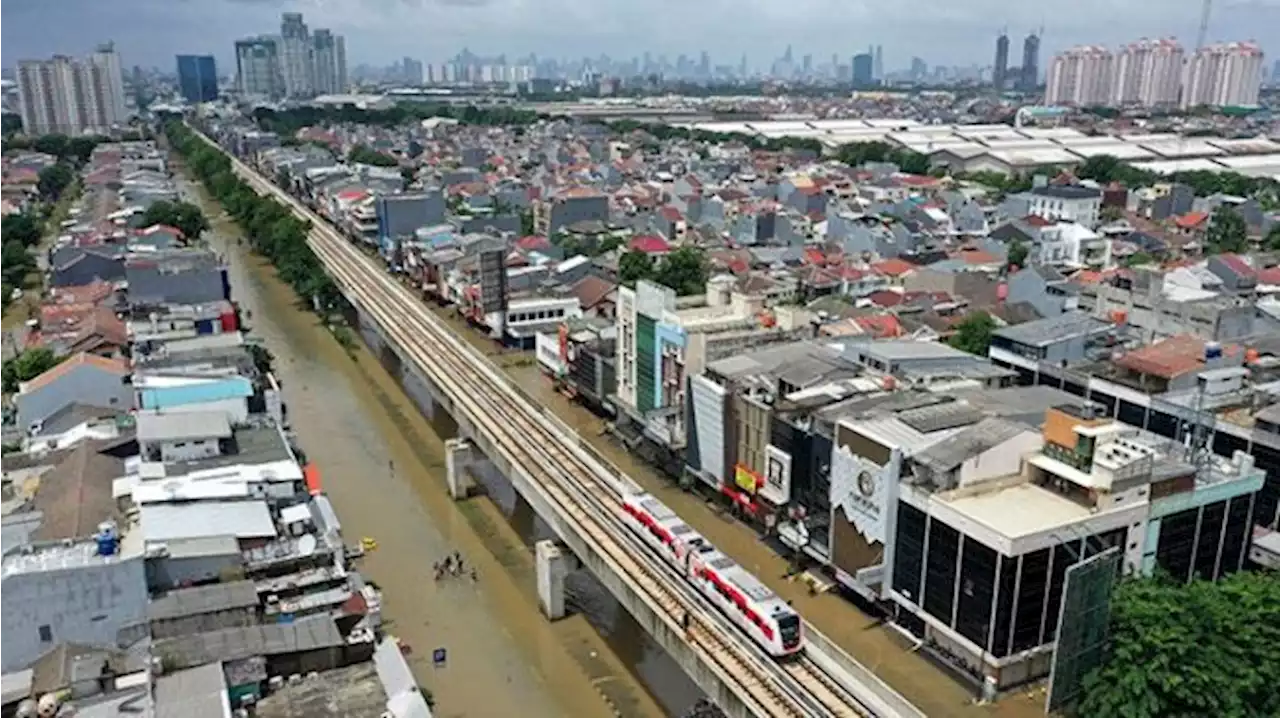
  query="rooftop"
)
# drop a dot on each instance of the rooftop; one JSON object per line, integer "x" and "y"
{"x": 199, "y": 692}
{"x": 203, "y": 599}
{"x": 182, "y": 425}
{"x": 1043, "y": 332}
{"x": 354, "y": 691}
{"x": 162, "y": 522}
{"x": 228, "y": 644}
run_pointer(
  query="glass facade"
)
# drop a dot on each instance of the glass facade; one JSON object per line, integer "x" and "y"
{"x": 197, "y": 78}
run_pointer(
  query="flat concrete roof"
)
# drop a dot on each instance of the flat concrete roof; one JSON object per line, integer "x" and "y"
{"x": 1019, "y": 510}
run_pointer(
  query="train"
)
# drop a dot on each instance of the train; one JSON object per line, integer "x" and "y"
{"x": 761, "y": 614}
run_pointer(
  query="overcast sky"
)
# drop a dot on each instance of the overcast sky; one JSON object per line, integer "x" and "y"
{"x": 151, "y": 32}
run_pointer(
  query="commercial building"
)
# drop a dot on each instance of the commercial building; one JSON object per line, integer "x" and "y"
{"x": 1030, "y": 72}
{"x": 70, "y": 96}
{"x": 258, "y": 68}
{"x": 1148, "y": 73}
{"x": 197, "y": 78}
{"x": 969, "y": 531}
{"x": 1080, "y": 77}
{"x": 1223, "y": 75}
{"x": 1000, "y": 71}
{"x": 329, "y": 57}
{"x": 863, "y": 70}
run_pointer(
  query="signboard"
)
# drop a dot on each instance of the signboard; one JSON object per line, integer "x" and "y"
{"x": 746, "y": 479}
{"x": 493, "y": 281}
{"x": 1083, "y": 626}
{"x": 863, "y": 490}
{"x": 439, "y": 657}
{"x": 777, "y": 476}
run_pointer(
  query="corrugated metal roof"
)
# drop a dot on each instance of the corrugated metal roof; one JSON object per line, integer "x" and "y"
{"x": 242, "y": 519}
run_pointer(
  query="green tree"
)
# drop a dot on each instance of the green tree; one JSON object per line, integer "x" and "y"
{"x": 1200, "y": 649}
{"x": 54, "y": 179}
{"x": 684, "y": 270}
{"x": 1272, "y": 240}
{"x": 51, "y": 144}
{"x": 362, "y": 154}
{"x": 21, "y": 227}
{"x": 526, "y": 222}
{"x": 973, "y": 334}
{"x": 1227, "y": 231}
{"x": 186, "y": 217}
{"x": 81, "y": 148}
{"x": 634, "y": 266}
{"x": 18, "y": 263}
{"x": 27, "y": 366}
{"x": 1100, "y": 168}
{"x": 1137, "y": 259}
{"x": 1017, "y": 255}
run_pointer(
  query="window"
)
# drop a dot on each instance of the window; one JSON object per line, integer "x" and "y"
{"x": 46, "y": 634}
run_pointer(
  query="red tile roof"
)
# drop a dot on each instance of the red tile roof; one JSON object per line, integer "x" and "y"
{"x": 885, "y": 298}
{"x": 893, "y": 267}
{"x": 1237, "y": 265}
{"x": 649, "y": 244}
{"x": 533, "y": 243}
{"x": 115, "y": 366}
{"x": 883, "y": 326}
{"x": 1036, "y": 220}
{"x": 1269, "y": 276}
{"x": 1172, "y": 357}
{"x": 1191, "y": 220}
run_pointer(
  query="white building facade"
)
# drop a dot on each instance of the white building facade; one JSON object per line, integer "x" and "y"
{"x": 1148, "y": 73}
{"x": 1227, "y": 74}
{"x": 1081, "y": 77}
{"x": 69, "y": 96}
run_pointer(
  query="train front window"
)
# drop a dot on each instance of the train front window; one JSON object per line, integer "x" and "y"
{"x": 789, "y": 630}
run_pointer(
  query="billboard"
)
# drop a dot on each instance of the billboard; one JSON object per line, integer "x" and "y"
{"x": 493, "y": 281}
{"x": 863, "y": 490}
{"x": 1083, "y": 626}
{"x": 777, "y": 476}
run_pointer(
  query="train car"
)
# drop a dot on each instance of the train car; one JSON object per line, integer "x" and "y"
{"x": 752, "y": 606}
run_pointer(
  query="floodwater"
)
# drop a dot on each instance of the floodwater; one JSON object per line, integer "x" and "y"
{"x": 382, "y": 464}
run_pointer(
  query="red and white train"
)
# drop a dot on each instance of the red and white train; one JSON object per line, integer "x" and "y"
{"x": 751, "y": 605}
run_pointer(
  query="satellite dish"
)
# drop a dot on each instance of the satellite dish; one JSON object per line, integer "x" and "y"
{"x": 307, "y": 545}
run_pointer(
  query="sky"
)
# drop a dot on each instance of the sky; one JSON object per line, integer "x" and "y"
{"x": 952, "y": 32}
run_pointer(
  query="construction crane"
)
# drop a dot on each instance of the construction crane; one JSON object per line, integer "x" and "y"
{"x": 1204, "y": 23}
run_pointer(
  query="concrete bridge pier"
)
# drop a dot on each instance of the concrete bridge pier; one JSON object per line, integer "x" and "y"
{"x": 458, "y": 459}
{"x": 553, "y": 564}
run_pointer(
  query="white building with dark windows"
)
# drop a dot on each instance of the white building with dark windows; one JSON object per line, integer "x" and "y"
{"x": 1227, "y": 74}
{"x": 969, "y": 532}
{"x": 1072, "y": 203}
{"x": 71, "y": 96}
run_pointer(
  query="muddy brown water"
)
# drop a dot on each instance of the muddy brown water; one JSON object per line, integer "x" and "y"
{"x": 382, "y": 464}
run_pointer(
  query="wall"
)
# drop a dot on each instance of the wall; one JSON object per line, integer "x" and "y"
{"x": 166, "y": 572}
{"x": 189, "y": 450}
{"x": 86, "y": 604}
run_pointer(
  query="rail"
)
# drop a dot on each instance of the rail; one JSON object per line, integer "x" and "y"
{"x": 585, "y": 487}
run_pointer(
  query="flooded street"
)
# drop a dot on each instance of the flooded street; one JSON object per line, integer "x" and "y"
{"x": 382, "y": 464}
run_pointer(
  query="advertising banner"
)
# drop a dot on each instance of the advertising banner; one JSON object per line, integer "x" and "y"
{"x": 777, "y": 476}
{"x": 746, "y": 479}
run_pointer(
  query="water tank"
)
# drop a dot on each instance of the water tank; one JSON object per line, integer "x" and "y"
{"x": 1212, "y": 350}
{"x": 107, "y": 538}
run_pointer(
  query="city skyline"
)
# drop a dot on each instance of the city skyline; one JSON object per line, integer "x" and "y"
{"x": 383, "y": 31}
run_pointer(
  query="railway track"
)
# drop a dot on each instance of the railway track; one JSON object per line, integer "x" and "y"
{"x": 580, "y": 483}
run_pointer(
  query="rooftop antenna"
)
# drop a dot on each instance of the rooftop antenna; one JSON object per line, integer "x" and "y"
{"x": 1203, "y": 31}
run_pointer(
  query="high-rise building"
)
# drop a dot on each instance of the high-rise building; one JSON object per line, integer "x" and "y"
{"x": 1000, "y": 71}
{"x": 1030, "y": 73}
{"x": 258, "y": 68}
{"x": 1148, "y": 73}
{"x": 295, "y": 52}
{"x": 69, "y": 96}
{"x": 1080, "y": 77}
{"x": 863, "y": 70}
{"x": 1227, "y": 74}
{"x": 328, "y": 63}
{"x": 412, "y": 71}
{"x": 197, "y": 78}
{"x": 878, "y": 70}
{"x": 919, "y": 68}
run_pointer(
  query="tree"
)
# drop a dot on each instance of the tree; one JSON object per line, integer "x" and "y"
{"x": 634, "y": 266}
{"x": 54, "y": 179}
{"x": 27, "y": 366}
{"x": 1137, "y": 259}
{"x": 684, "y": 270}
{"x": 51, "y": 144}
{"x": 1272, "y": 241}
{"x": 1199, "y": 649}
{"x": 1227, "y": 231}
{"x": 1111, "y": 213}
{"x": 973, "y": 334}
{"x": 21, "y": 227}
{"x": 1100, "y": 168}
{"x": 361, "y": 154}
{"x": 1017, "y": 255}
{"x": 18, "y": 263}
{"x": 184, "y": 216}
{"x": 526, "y": 222}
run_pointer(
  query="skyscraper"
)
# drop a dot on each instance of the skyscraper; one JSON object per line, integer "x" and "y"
{"x": 1000, "y": 72}
{"x": 1224, "y": 75}
{"x": 1030, "y": 63}
{"x": 1080, "y": 77}
{"x": 296, "y": 56}
{"x": 70, "y": 96}
{"x": 1148, "y": 73}
{"x": 878, "y": 70}
{"x": 329, "y": 63}
{"x": 258, "y": 69}
{"x": 863, "y": 70}
{"x": 197, "y": 78}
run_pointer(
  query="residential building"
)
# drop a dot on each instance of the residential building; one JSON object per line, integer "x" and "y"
{"x": 1073, "y": 203}
{"x": 1000, "y": 70}
{"x": 1223, "y": 75}
{"x": 1148, "y": 73}
{"x": 1080, "y": 77}
{"x": 296, "y": 56}
{"x": 1030, "y": 70}
{"x": 568, "y": 207}
{"x": 403, "y": 214}
{"x": 82, "y": 379}
{"x": 70, "y": 96}
{"x": 329, "y": 58}
{"x": 258, "y": 67}
{"x": 197, "y": 78}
